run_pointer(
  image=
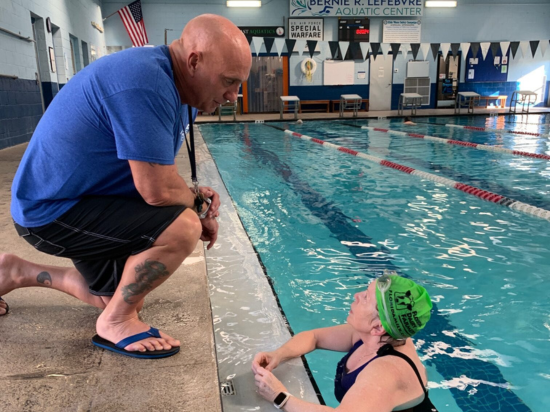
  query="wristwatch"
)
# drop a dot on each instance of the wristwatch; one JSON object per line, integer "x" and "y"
{"x": 281, "y": 400}
{"x": 203, "y": 214}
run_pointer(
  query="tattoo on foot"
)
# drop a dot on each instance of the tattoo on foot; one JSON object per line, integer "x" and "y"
{"x": 44, "y": 278}
{"x": 146, "y": 274}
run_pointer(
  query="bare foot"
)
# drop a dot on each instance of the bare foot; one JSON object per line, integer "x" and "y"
{"x": 10, "y": 278}
{"x": 3, "y": 308}
{"x": 115, "y": 328}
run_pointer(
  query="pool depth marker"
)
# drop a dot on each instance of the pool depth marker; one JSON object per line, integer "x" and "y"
{"x": 459, "y": 143}
{"x": 482, "y": 194}
{"x": 486, "y": 129}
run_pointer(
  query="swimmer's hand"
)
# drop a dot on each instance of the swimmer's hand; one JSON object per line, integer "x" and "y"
{"x": 267, "y": 360}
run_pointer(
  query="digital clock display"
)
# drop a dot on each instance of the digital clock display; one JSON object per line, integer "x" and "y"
{"x": 354, "y": 31}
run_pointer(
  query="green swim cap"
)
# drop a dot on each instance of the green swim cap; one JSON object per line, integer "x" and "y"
{"x": 403, "y": 306}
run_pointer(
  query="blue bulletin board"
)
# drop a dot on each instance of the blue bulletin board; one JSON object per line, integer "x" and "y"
{"x": 486, "y": 70}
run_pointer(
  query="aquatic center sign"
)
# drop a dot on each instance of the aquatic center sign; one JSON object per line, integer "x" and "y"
{"x": 382, "y": 8}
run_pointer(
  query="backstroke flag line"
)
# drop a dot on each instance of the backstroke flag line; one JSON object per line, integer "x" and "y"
{"x": 132, "y": 17}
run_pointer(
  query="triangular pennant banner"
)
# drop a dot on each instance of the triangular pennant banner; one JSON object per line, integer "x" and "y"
{"x": 475, "y": 49}
{"x": 514, "y": 48}
{"x": 323, "y": 47}
{"x": 504, "y": 46}
{"x": 543, "y": 47}
{"x": 279, "y": 44}
{"x": 257, "y": 42}
{"x": 333, "y": 48}
{"x": 385, "y": 48}
{"x": 300, "y": 44}
{"x": 394, "y": 49}
{"x": 344, "y": 45}
{"x": 425, "y": 47}
{"x": 465, "y": 47}
{"x": 290, "y": 43}
{"x": 445, "y": 49}
{"x": 485, "y": 48}
{"x": 494, "y": 49}
{"x": 524, "y": 45}
{"x": 355, "y": 50}
{"x": 435, "y": 50}
{"x": 454, "y": 48}
{"x": 268, "y": 41}
{"x": 405, "y": 49}
{"x": 365, "y": 47}
{"x": 249, "y": 38}
{"x": 534, "y": 45}
{"x": 414, "y": 48}
{"x": 375, "y": 47}
{"x": 311, "y": 45}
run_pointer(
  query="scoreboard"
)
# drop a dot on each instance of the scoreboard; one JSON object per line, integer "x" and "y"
{"x": 356, "y": 30}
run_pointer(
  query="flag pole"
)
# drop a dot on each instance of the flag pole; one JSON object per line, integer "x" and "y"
{"x": 112, "y": 14}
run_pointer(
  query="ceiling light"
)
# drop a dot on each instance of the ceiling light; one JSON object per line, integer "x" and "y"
{"x": 440, "y": 3}
{"x": 244, "y": 3}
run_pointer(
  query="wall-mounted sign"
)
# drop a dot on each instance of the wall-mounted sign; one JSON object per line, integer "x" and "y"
{"x": 310, "y": 29}
{"x": 401, "y": 31}
{"x": 356, "y": 8}
{"x": 263, "y": 31}
{"x": 353, "y": 30}
{"x": 97, "y": 27}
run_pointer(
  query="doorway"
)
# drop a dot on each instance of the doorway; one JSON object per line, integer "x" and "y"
{"x": 265, "y": 84}
{"x": 381, "y": 80}
{"x": 85, "y": 58}
{"x": 75, "y": 54}
{"x": 448, "y": 70}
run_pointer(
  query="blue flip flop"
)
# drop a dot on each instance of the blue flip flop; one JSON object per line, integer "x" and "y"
{"x": 119, "y": 347}
{"x": 7, "y": 307}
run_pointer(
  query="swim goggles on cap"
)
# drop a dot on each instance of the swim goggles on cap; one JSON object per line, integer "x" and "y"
{"x": 383, "y": 284}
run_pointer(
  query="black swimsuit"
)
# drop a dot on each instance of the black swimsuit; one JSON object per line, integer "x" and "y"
{"x": 344, "y": 381}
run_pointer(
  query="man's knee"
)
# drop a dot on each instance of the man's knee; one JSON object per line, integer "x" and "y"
{"x": 183, "y": 233}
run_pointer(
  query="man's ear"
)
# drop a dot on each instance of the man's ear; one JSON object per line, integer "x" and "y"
{"x": 193, "y": 62}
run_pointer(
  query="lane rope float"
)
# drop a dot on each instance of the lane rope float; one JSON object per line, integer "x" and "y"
{"x": 471, "y": 190}
{"x": 459, "y": 143}
{"x": 486, "y": 129}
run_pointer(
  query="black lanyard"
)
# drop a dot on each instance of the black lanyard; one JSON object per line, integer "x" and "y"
{"x": 191, "y": 149}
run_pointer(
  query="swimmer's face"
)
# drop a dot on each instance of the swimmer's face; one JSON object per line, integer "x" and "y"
{"x": 363, "y": 311}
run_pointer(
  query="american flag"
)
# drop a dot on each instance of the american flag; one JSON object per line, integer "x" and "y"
{"x": 132, "y": 17}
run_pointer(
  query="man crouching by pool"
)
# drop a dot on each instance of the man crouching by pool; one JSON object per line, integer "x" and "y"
{"x": 381, "y": 370}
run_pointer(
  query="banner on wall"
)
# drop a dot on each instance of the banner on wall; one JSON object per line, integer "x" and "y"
{"x": 263, "y": 31}
{"x": 311, "y": 29}
{"x": 401, "y": 31}
{"x": 356, "y": 8}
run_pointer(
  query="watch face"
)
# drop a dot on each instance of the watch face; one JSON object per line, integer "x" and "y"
{"x": 280, "y": 398}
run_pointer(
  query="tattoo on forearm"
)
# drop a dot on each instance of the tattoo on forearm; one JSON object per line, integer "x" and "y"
{"x": 44, "y": 278}
{"x": 146, "y": 273}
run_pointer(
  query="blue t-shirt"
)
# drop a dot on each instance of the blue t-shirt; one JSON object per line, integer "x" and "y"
{"x": 122, "y": 107}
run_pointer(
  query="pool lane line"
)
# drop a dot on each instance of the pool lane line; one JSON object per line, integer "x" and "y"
{"x": 471, "y": 190}
{"x": 459, "y": 143}
{"x": 486, "y": 129}
{"x": 339, "y": 224}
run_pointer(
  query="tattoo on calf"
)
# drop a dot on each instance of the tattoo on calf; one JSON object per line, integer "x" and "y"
{"x": 146, "y": 273}
{"x": 44, "y": 278}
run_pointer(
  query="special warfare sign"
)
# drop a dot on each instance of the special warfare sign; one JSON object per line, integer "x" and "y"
{"x": 382, "y": 8}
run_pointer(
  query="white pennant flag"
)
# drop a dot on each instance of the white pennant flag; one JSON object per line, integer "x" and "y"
{"x": 365, "y": 47}
{"x": 445, "y": 49}
{"x": 299, "y": 46}
{"x": 485, "y": 48}
{"x": 425, "y": 48}
{"x": 543, "y": 45}
{"x": 465, "y": 47}
{"x": 385, "y": 48}
{"x": 344, "y": 45}
{"x": 279, "y": 45}
{"x": 324, "y": 48}
{"x": 504, "y": 46}
{"x": 257, "y": 41}
{"x": 405, "y": 49}
{"x": 525, "y": 49}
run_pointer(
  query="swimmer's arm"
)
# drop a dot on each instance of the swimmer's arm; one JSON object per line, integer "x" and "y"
{"x": 161, "y": 185}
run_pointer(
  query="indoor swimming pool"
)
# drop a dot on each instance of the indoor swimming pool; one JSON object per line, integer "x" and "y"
{"x": 325, "y": 223}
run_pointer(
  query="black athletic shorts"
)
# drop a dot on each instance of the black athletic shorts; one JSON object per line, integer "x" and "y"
{"x": 99, "y": 234}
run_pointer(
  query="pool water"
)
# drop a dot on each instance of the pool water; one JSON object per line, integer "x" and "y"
{"x": 326, "y": 223}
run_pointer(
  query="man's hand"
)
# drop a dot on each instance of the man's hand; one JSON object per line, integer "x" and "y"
{"x": 210, "y": 229}
{"x": 214, "y": 196}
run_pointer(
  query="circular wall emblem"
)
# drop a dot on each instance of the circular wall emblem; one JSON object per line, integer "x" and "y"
{"x": 280, "y": 31}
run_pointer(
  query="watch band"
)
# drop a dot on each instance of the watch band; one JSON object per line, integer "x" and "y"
{"x": 203, "y": 214}
{"x": 281, "y": 400}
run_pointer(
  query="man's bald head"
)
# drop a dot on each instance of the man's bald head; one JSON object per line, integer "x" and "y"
{"x": 211, "y": 52}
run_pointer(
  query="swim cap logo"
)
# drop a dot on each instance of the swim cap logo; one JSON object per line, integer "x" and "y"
{"x": 404, "y": 300}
